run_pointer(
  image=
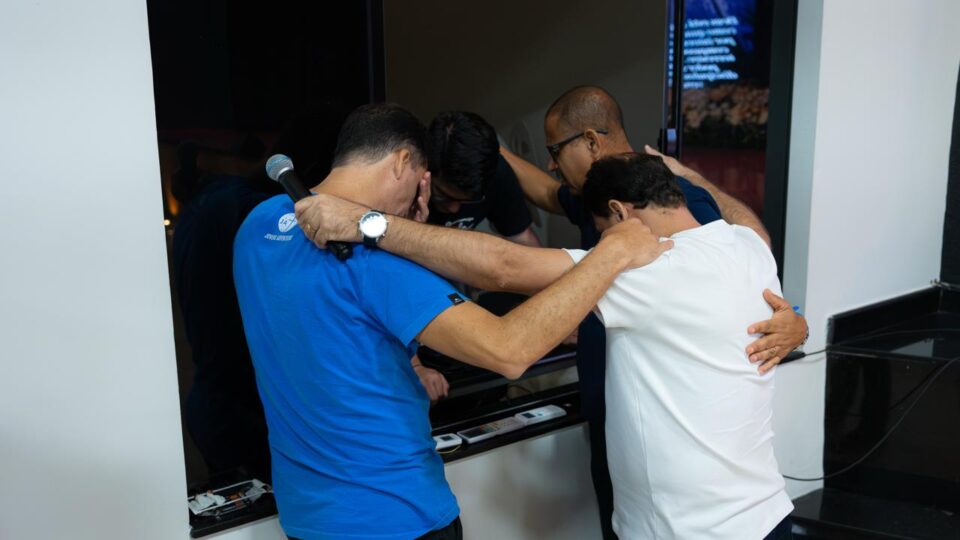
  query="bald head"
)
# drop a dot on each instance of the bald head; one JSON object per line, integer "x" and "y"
{"x": 587, "y": 107}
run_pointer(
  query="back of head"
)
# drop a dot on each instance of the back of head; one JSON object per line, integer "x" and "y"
{"x": 640, "y": 179}
{"x": 372, "y": 132}
{"x": 587, "y": 107}
{"x": 463, "y": 151}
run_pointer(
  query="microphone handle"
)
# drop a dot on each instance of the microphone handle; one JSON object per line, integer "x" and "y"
{"x": 294, "y": 188}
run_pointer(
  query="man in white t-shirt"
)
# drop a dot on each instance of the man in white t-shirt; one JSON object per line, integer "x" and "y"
{"x": 689, "y": 437}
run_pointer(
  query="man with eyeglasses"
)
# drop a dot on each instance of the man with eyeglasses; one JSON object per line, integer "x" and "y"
{"x": 471, "y": 182}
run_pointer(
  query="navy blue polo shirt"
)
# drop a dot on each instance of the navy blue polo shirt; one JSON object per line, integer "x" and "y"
{"x": 591, "y": 338}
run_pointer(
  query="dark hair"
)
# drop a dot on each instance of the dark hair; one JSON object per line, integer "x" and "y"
{"x": 463, "y": 150}
{"x": 640, "y": 179}
{"x": 371, "y": 132}
{"x": 587, "y": 107}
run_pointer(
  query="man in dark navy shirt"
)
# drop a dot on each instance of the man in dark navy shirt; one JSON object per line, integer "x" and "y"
{"x": 471, "y": 181}
{"x": 582, "y": 126}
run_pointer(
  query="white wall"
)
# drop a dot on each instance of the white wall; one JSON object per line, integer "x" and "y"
{"x": 874, "y": 93}
{"x": 538, "y": 488}
{"x": 90, "y": 444}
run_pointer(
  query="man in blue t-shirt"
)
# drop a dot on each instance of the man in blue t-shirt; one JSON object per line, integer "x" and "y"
{"x": 584, "y": 125}
{"x": 331, "y": 340}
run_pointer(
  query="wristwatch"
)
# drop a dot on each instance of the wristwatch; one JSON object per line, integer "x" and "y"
{"x": 373, "y": 227}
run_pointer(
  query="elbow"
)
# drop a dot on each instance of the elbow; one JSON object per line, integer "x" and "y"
{"x": 501, "y": 280}
{"x": 503, "y": 272}
{"x": 514, "y": 361}
{"x": 512, "y": 373}
{"x": 507, "y": 364}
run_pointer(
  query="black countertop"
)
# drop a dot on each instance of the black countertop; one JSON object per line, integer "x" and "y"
{"x": 566, "y": 397}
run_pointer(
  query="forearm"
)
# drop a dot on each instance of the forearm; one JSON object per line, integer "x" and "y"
{"x": 538, "y": 186}
{"x": 477, "y": 259}
{"x": 480, "y": 260}
{"x": 509, "y": 344}
{"x": 732, "y": 210}
{"x": 538, "y": 325}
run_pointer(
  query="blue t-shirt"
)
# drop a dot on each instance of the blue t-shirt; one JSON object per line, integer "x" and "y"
{"x": 331, "y": 343}
{"x": 591, "y": 337}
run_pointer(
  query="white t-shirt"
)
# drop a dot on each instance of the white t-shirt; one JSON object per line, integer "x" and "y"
{"x": 689, "y": 441}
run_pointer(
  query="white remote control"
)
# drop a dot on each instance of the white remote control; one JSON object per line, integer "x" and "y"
{"x": 490, "y": 429}
{"x": 447, "y": 440}
{"x": 540, "y": 414}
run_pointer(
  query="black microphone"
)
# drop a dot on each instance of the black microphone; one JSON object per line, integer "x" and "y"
{"x": 280, "y": 169}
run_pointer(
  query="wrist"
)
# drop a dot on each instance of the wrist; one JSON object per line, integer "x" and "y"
{"x": 617, "y": 251}
{"x": 356, "y": 235}
{"x": 372, "y": 227}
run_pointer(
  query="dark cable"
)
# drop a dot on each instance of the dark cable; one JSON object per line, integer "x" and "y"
{"x": 926, "y": 386}
{"x": 878, "y": 335}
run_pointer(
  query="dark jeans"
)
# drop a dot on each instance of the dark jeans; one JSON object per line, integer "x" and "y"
{"x": 783, "y": 531}
{"x": 453, "y": 531}
{"x": 601, "y": 479}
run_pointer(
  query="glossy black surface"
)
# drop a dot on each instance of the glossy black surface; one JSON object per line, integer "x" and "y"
{"x": 465, "y": 379}
{"x": 879, "y": 316}
{"x": 930, "y": 336}
{"x": 840, "y": 515}
{"x": 866, "y": 397}
{"x": 567, "y": 397}
{"x": 895, "y": 374}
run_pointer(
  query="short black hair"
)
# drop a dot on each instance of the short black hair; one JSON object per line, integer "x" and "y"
{"x": 641, "y": 179}
{"x": 587, "y": 107}
{"x": 372, "y": 131}
{"x": 463, "y": 151}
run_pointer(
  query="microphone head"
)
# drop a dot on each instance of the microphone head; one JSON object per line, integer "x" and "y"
{"x": 277, "y": 165}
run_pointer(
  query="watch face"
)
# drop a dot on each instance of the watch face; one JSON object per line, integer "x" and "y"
{"x": 373, "y": 225}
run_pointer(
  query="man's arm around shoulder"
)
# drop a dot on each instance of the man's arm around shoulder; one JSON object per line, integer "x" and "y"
{"x": 477, "y": 259}
{"x": 538, "y": 187}
{"x": 510, "y": 344}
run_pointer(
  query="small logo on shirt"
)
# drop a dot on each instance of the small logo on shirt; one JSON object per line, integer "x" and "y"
{"x": 462, "y": 223}
{"x": 456, "y": 299}
{"x": 287, "y": 221}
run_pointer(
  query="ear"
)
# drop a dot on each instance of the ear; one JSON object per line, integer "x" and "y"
{"x": 594, "y": 143}
{"x": 400, "y": 162}
{"x": 618, "y": 211}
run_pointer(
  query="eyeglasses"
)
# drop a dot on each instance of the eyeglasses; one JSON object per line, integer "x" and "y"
{"x": 554, "y": 149}
{"x": 443, "y": 199}
{"x": 439, "y": 197}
